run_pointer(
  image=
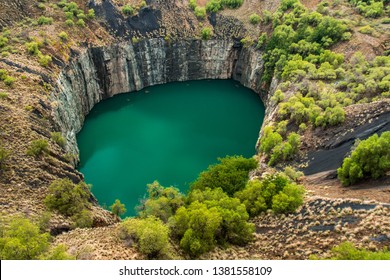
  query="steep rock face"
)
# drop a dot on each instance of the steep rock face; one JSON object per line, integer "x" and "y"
{"x": 100, "y": 73}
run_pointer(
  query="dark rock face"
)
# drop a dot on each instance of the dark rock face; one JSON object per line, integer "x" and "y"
{"x": 100, "y": 73}
{"x": 146, "y": 21}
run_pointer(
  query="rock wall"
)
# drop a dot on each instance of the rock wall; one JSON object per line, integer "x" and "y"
{"x": 103, "y": 72}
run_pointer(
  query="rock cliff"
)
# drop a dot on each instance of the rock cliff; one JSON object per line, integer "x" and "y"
{"x": 103, "y": 72}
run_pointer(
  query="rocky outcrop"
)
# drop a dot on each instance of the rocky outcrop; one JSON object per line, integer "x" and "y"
{"x": 103, "y": 72}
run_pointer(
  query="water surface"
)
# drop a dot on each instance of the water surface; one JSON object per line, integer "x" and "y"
{"x": 168, "y": 133}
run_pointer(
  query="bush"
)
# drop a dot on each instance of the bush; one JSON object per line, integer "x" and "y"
{"x": 207, "y": 33}
{"x": 67, "y": 198}
{"x": 150, "y": 234}
{"x": 38, "y": 147}
{"x": 118, "y": 208}
{"x": 69, "y": 22}
{"x": 3, "y": 95}
{"x": 288, "y": 200}
{"x": 370, "y": 159}
{"x": 254, "y": 18}
{"x": 162, "y": 202}
{"x": 33, "y": 48}
{"x": 63, "y": 36}
{"x": 128, "y": 10}
{"x": 22, "y": 240}
{"x": 91, "y": 14}
{"x": 213, "y": 6}
{"x": 44, "y": 60}
{"x": 58, "y": 253}
{"x": 192, "y": 4}
{"x": 231, "y": 174}
{"x": 348, "y": 251}
{"x": 45, "y": 20}
{"x": 262, "y": 40}
{"x": 274, "y": 192}
{"x": 58, "y": 138}
{"x": 232, "y": 4}
{"x": 3, "y": 41}
{"x": 211, "y": 218}
{"x": 9, "y": 81}
{"x": 82, "y": 219}
{"x": 81, "y": 23}
{"x": 366, "y": 29}
{"x": 200, "y": 12}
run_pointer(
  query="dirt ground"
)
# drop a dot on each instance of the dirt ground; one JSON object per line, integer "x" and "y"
{"x": 325, "y": 184}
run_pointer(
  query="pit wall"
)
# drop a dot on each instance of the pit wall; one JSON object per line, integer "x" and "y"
{"x": 102, "y": 72}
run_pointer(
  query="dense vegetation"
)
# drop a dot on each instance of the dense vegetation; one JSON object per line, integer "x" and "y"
{"x": 348, "y": 251}
{"x": 20, "y": 239}
{"x": 371, "y": 158}
{"x": 217, "y": 209}
{"x": 70, "y": 200}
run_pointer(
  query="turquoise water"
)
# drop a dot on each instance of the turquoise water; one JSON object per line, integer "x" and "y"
{"x": 168, "y": 133}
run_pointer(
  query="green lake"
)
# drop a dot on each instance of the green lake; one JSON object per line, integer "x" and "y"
{"x": 168, "y": 133}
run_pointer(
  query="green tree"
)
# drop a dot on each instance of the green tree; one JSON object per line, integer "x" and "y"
{"x": 371, "y": 158}
{"x": 231, "y": 174}
{"x": 213, "y": 6}
{"x": 22, "y": 240}
{"x": 38, "y": 147}
{"x": 200, "y": 12}
{"x": 118, "y": 208}
{"x": 67, "y": 198}
{"x": 161, "y": 202}
{"x": 150, "y": 234}
{"x": 206, "y": 33}
{"x": 254, "y": 18}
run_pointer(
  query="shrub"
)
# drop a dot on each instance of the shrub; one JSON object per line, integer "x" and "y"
{"x": 22, "y": 240}
{"x": 9, "y": 81}
{"x": 44, "y": 60}
{"x": 150, "y": 234}
{"x": 58, "y": 138}
{"x": 231, "y": 174}
{"x": 91, "y": 14}
{"x": 67, "y": 198}
{"x": 69, "y": 22}
{"x": 58, "y": 253}
{"x": 161, "y": 203}
{"x": 207, "y": 33}
{"x": 371, "y": 158}
{"x": 42, "y": 20}
{"x": 274, "y": 192}
{"x": 262, "y": 40}
{"x": 254, "y": 18}
{"x": 128, "y": 10}
{"x": 348, "y": 251}
{"x": 81, "y": 23}
{"x": 366, "y": 29}
{"x": 82, "y": 219}
{"x": 3, "y": 95}
{"x": 3, "y": 41}
{"x": 118, "y": 208}
{"x": 33, "y": 48}
{"x": 38, "y": 147}
{"x": 192, "y": 4}
{"x": 41, "y": 6}
{"x": 63, "y": 36}
{"x": 200, "y": 12}
{"x": 288, "y": 200}
{"x": 213, "y": 6}
{"x": 232, "y": 4}
{"x": 211, "y": 218}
